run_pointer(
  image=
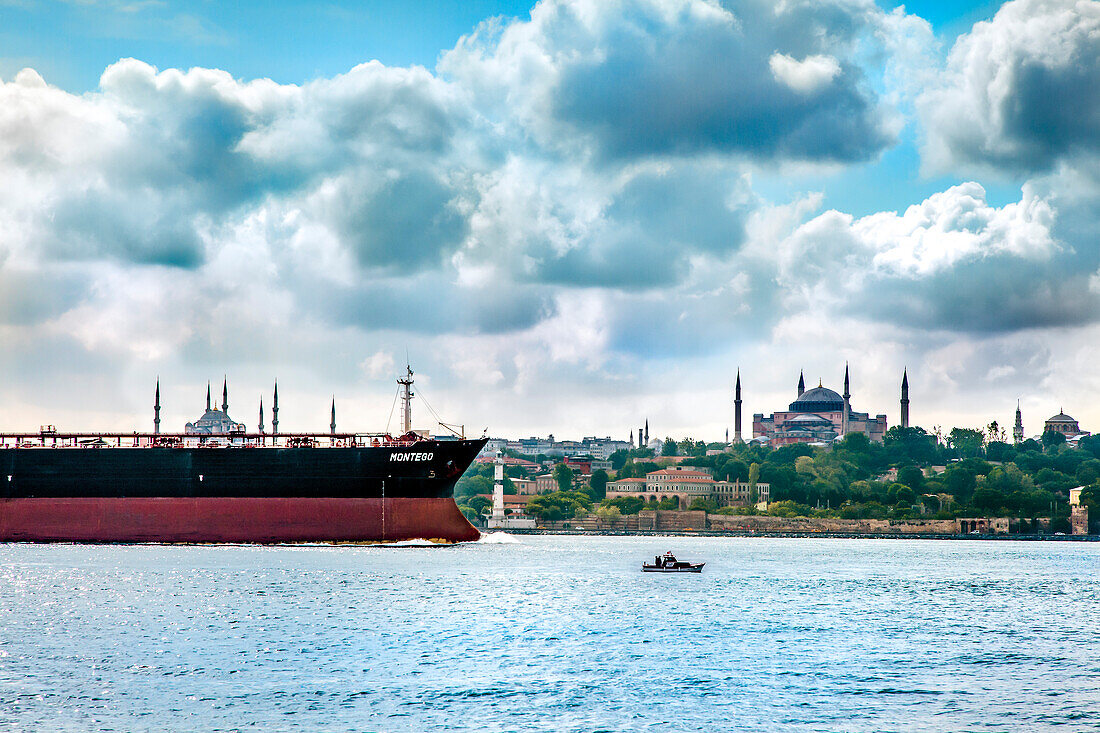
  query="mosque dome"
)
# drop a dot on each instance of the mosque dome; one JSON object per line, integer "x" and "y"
{"x": 1061, "y": 417}
{"x": 818, "y": 399}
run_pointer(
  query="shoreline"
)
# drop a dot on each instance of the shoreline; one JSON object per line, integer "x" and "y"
{"x": 797, "y": 535}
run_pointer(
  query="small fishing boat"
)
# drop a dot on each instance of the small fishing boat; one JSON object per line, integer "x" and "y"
{"x": 667, "y": 563}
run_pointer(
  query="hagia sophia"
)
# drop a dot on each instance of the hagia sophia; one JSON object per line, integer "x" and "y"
{"x": 817, "y": 415}
{"x": 820, "y": 415}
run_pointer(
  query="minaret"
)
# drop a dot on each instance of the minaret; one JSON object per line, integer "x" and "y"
{"x": 332, "y": 425}
{"x": 275, "y": 411}
{"x": 632, "y": 438}
{"x": 1018, "y": 430}
{"x": 737, "y": 410}
{"x": 225, "y": 396}
{"x": 847, "y": 404}
{"x": 801, "y": 383}
{"x": 905, "y": 398}
{"x": 647, "y": 431}
{"x": 208, "y": 396}
{"x": 156, "y": 411}
{"x": 261, "y": 414}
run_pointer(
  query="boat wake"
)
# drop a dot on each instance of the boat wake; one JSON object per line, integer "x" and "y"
{"x": 498, "y": 538}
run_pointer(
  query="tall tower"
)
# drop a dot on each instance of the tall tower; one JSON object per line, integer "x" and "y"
{"x": 647, "y": 431}
{"x": 632, "y": 438}
{"x": 905, "y": 398}
{"x": 156, "y": 410}
{"x": 801, "y": 382}
{"x": 225, "y": 396}
{"x": 208, "y": 396}
{"x": 737, "y": 409}
{"x": 406, "y": 383}
{"x": 1018, "y": 429}
{"x": 641, "y": 438}
{"x": 261, "y": 414}
{"x": 847, "y": 404}
{"x": 332, "y": 425}
{"x": 275, "y": 411}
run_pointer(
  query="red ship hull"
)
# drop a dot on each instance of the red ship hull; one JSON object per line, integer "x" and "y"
{"x": 232, "y": 519}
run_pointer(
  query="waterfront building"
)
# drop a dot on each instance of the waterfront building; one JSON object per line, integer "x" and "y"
{"x": 685, "y": 484}
{"x": 525, "y": 487}
{"x": 819, "y": 415}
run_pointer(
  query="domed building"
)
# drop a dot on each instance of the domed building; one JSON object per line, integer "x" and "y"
{"x": 818, "y": 415}
{"x": 1064, "y": 424}
{"x": 215, "y": 422}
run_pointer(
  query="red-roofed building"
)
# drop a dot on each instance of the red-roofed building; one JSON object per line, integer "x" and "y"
{"x": 686, "y": 484}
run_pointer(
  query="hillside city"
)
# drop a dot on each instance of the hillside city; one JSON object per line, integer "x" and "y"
{"x": 818, "y": 467}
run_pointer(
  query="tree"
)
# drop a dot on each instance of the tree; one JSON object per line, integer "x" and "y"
{"x": 669, "y": 447}
{"x": 998, "y": 450}
{"x": 1052, "y": 439}
{"x": 966, "y": 442}
{"x": 473, "y": 485}
{"x": 598, "y": 482}
{"x": 705, "y": 505}
{"x": 754, "y": 478}
{"x": 608, "y": 514}
{"x": 912, "y": 477}
{"x": 912, "y": 443}
{"x": 480, "y": 504}
{"x": 563, "y": 475}
{"x": 626, "y": 504}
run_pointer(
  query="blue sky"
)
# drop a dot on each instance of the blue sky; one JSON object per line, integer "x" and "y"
{"x": 608, "y": 204}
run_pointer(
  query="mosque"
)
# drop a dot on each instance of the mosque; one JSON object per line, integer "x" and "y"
{"x": 213, "y": 422}
{"x": 818, "y": 415}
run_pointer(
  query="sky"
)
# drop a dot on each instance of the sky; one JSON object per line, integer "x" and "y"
{"x": 570, "y": 217}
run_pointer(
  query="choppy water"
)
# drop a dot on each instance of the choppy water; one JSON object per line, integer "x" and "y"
{"x": 555, "y": 634}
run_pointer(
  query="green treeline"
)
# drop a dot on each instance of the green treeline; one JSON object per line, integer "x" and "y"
{"x": 965, "y": 473}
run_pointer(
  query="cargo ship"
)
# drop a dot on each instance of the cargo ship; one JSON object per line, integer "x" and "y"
{"x": 218, "y": 483}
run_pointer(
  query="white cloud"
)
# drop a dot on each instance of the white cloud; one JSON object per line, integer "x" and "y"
{"x": 957, "y": 225}
{"x": 1018, "y": 93}
{"x": 810, "y": 74}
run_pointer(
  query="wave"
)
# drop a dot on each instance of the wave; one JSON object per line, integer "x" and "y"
{"x": 498, "y": 538}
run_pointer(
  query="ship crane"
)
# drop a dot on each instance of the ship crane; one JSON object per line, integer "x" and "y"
{"x": 406, "y": 383}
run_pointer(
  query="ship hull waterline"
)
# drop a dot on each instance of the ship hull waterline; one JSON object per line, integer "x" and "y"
{"x": 263, "y": 520}
{"x": 392, "y": 492}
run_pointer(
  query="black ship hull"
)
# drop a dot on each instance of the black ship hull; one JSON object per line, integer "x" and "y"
{"x": 235, "y": 494}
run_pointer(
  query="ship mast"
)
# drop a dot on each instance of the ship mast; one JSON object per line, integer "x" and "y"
{"x": 406, "y": 383}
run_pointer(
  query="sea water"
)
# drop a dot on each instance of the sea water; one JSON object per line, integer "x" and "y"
{"x": 553, "y": 634}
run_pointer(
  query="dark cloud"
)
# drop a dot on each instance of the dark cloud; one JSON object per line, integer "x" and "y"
{"x": 407, "y": 223}
{"x": 426, "y": 304}
{"x": 985, "y": 297}
{"x": 648, "y": 79}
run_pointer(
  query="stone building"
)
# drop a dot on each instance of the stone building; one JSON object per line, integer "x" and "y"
{"x": 1078, "y": 512}
{"x": 685, "y": 484}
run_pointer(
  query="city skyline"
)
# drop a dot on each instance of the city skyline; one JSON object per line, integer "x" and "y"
{"x": 570, "y": 216}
